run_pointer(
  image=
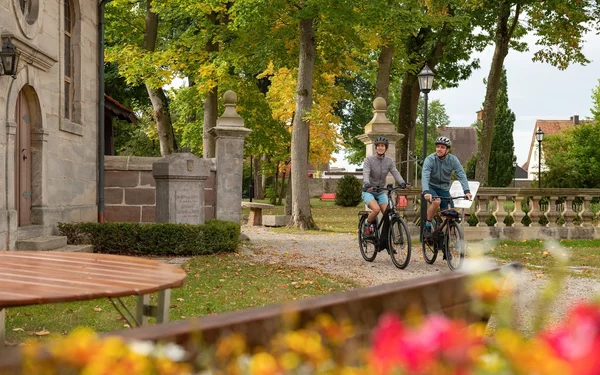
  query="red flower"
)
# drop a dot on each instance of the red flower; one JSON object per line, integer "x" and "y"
{"x": 577, "y": 340}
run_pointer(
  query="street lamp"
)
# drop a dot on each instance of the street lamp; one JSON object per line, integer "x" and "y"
{"x": 425, "y": 83}
{"x": 515, "y": 173}
{"x": 539, "y": 136}
{"x": 9, "y": 59}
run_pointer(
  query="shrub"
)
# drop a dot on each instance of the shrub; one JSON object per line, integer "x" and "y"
{"x": 271, "y": 194}
{"x": 155, "y": 238}
{"x": 348, "y": 192}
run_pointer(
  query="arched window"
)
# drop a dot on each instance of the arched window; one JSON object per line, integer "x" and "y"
{"x": 68, "y": 59}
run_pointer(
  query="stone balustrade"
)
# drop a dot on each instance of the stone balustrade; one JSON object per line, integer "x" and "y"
{"x": 525, "y": 213}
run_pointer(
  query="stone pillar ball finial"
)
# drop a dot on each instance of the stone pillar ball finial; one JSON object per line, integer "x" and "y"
{"x": 230, "y": 97}
{"x": 379, "y": 104}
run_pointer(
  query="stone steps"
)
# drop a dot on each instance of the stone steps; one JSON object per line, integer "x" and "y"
{"x": 42, "y": 243}
{"x": 29, "y": 231}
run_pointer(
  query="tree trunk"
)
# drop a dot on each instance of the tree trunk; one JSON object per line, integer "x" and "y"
{"x": 212, "y": 98}
{"x": 282, "y": 186}
{"x": 288, "y": 196}
{"x": 160, "y": 109}
{"x": 263, "y": 177}
{"x": 210, "y": 121}
{"x": 384, "y": 64}
{"x": 407, "y": 116}
{"x": 504, "y": 33}
{"x": 301, "y": 214}
{"x": 161, "y": 114}
{"x": 259, "y": 192}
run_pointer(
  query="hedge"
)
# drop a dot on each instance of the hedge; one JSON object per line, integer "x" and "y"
{"x": 155, "y": 238}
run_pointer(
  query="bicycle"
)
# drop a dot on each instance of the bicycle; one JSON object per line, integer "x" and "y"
{"x": 447, "y": 237}
{"x": 391, "y": 234}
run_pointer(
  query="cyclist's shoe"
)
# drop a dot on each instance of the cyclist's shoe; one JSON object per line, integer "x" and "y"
{"x": 368, "y": 231}
{"x": 427, "y": 233}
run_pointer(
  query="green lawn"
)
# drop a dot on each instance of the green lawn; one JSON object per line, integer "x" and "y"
{"x": 582, "y": 256}
{"x": 215, "y": 284}
{"x": 328, "y": 217}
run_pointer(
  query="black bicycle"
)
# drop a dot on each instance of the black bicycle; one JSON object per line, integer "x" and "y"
{"x": 391, "y": 234}
{"x": 447, "y": 237}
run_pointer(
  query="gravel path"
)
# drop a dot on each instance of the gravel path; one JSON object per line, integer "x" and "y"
{"x": 339, "y": 254}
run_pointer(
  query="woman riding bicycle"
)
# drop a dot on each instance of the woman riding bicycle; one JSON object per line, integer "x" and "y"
{"x": 436, "y": 178}
{"x": 375, "y": 170}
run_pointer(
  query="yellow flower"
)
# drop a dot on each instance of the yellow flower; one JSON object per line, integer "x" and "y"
{"x": 263, "y": 364}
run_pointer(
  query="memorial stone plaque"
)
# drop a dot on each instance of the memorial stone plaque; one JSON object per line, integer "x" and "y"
{"x": 180, "y": 182}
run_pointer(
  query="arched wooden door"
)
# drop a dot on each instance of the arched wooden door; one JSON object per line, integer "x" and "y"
{"x": 23, "y": 161}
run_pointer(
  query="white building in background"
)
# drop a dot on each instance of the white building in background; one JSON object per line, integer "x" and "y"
{"x": 549, "y": 127}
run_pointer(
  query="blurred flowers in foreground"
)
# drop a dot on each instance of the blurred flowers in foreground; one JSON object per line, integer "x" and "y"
{"x": 421, "y": 345}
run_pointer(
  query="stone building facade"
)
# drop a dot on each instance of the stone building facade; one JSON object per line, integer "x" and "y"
{"x": 48, "y": 117}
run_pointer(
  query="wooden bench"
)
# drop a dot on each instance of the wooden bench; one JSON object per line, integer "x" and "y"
{"x": 327, "y": 197}
{"x": 442, "y": 293}
{"x": 255, "y": 217}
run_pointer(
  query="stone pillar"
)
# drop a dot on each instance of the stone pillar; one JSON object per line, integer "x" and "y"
{"x": 229, "y": 137}
{"x": 180, "y": 188}
{"x": 380, "y": 126}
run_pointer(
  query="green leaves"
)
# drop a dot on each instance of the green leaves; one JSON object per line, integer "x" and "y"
{"x": 573, "y": 157}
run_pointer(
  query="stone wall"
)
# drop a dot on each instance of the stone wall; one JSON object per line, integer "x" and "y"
{"x": 63, "y": 149}
{"x": 130, "y": 190}
{"x": 318, "y": 186}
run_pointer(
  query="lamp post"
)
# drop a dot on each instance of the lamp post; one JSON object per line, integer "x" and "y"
{"x": 425, "y": 83}
{"x": 9, "y": 59}
{"x": 515, "y": 173}
{"x": 539, "y": 136}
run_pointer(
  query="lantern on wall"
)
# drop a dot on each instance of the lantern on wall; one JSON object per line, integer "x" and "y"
{"x": 9, "y": 59}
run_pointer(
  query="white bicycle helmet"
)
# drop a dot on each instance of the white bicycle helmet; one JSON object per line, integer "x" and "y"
{"x": 443, "y": 141}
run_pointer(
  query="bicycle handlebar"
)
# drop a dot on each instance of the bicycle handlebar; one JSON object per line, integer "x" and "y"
{"x": 451, "y": 198}
{"x": 380, "y": 189}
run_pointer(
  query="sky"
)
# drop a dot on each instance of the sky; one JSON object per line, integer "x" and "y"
{"x": 535, "y": 91}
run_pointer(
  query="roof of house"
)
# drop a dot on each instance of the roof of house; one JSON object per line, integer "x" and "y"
{"x": 119, "y": 110}
{"x": 550, "y": 127}
{"x": 520, "y": 172}
{"x": 464, "y": 141}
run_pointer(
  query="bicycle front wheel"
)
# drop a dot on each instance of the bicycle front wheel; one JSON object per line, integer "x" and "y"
{"x": 368, "y": 250}
{"x": 399, "y": 242}
{"x": 429, "y": 245}
{"x": 455, "y": 246}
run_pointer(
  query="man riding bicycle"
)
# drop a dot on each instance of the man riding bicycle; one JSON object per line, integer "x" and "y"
{"x": 436, "y": 178}
{"x": 375, "y": 170}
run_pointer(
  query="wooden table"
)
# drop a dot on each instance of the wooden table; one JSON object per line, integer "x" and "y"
{"x": 38, "y": 277}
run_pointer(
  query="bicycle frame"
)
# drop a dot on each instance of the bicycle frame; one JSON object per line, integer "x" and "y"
{"x": 390, "y": 233}
{"x": 441, "y": 235}
{"x": 383, "y": 226}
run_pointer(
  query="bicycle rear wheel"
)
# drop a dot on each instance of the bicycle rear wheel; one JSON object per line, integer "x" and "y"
{"x": 429, "y": 248}
{"x": 399, "y": 243}
{"x": 368, "y": 250}
{"x": 455, "y": 246}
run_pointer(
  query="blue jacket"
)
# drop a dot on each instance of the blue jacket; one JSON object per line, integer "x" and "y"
{"x": 437, "y": 173}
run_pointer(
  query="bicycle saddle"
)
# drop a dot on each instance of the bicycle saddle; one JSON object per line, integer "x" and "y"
{"x": 451, "y": 213}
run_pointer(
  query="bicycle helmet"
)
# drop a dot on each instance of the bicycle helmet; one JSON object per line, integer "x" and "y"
{"x": 383, "y": 140}
{"x": 443, "y": 141}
